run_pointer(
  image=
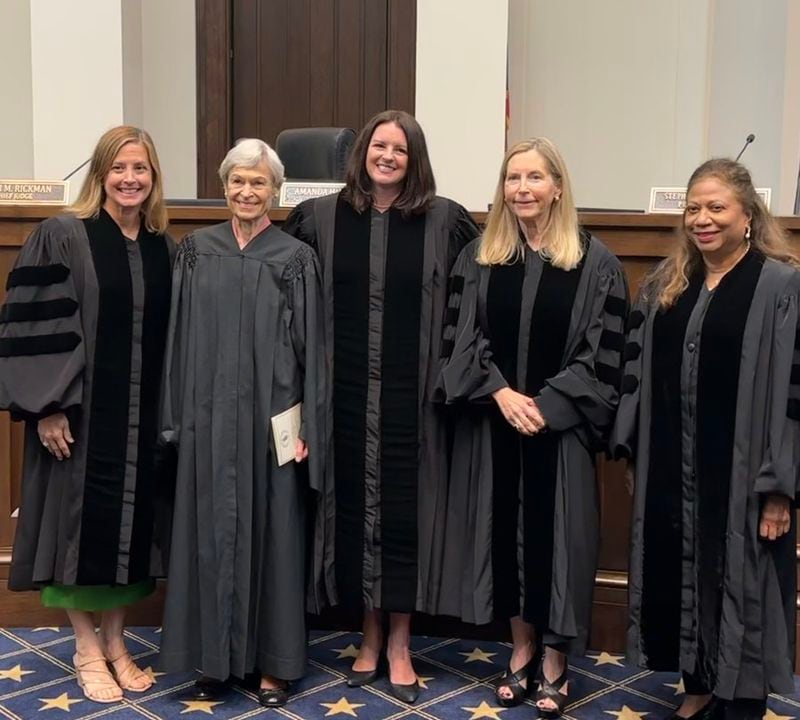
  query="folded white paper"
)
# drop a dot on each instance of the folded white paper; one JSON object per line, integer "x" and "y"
{"x": 285, "y": 431}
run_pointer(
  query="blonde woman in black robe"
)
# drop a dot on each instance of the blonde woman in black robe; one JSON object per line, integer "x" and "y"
{"x": 532, "y": 357}
{"x": 709, "y": 418}
{"x": 82, "y": 338}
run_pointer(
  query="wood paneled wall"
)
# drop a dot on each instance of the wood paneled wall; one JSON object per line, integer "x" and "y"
{"x": 267, "y": 65}
{"x": 639, "y": 240}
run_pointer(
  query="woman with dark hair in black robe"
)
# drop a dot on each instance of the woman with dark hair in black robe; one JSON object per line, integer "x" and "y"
{"x": 386, "y": 244}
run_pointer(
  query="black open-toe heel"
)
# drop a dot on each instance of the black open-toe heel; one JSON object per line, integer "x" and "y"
{"x": 550, "y": 691}
{"x": 513, "y": 681}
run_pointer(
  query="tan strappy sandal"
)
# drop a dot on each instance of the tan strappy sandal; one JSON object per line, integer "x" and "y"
{"x": 129, "y": 673}
{"x": 94, "y": 680}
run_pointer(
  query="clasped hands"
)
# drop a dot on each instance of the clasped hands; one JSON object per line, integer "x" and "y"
{"x": 520, "y": 411}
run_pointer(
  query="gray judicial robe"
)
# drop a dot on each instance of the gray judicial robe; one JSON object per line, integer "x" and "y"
{"x": 379, "y": 529}
{"x": 82, "y": 332}
{"x": 566, "y": 330}
{"x": 244, "y": 344}
{"x": 707, "y": 595}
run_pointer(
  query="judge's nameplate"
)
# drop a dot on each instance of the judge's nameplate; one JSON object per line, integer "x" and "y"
{"x": 294, "y": 192}
{"x": 673, "y": 200}
{"x": 33, "y": 192}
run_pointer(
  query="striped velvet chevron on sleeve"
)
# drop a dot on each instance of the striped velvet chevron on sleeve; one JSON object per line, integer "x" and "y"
{"x": 41, "y": 340}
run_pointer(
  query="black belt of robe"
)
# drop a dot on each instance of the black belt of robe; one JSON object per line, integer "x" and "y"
{"x": 399, "y": 403}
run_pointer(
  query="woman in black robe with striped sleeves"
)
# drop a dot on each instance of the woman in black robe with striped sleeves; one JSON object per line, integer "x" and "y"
{"x": 386, "y": 244}
{"x": 82, "y": 338}
{"x": 709, "y": 417}
{"x": 532, "y": 358}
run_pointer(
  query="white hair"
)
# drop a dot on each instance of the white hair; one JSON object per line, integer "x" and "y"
{"x": 249, "y": 152}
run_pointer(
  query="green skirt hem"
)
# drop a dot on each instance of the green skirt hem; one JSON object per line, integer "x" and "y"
{"x": 92, "y": 598}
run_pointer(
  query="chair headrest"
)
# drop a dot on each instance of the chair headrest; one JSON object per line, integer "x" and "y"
{"x": 317, "y": 153}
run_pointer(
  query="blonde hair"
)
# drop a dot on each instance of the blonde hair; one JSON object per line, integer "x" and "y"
{"x": 93, "y": 195}
{"x": 561, "y": 245}
{"x": 671, "y": 278}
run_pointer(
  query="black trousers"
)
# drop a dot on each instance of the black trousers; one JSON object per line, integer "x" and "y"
{"x": 738, "y": 709}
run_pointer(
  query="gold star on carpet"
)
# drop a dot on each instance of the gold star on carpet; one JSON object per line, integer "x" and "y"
{"x": 15, "y": 673}
{"x": 477, "y": 655}
{"x": 605, "y": 658}
{"x": 484, "y": 710}
{"x": 677, "y": 687}
{"x": 423, "y": 681}
{"x": 351, "y": 651}
{"x": 203, "y": 706}
{"x": 62, "y": 702}
{"x": 626, "y": 713}
{"x": 152, "y": 674}
{"x": 774, "y": 716}
{"x": 342, "y": 707}
{"x": 42, "y": 629}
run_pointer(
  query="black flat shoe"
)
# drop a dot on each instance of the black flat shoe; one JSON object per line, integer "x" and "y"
{"x": 405, "y": 693}
{"x": 273, "y": 697}
{"x": 207, "y": 688}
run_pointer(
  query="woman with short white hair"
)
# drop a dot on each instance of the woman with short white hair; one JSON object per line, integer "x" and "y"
{"x": 243, "y": 343}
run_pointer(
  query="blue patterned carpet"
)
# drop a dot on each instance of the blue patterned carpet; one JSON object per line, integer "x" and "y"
{"x": 37, "y": 681}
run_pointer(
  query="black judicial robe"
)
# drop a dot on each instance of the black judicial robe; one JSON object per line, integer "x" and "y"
{"x": 83, "y": 332}
{"x": 244, "y": 344}
{"x": 709, "y": 416}
{"x": 379, "y": 531}
{"x": 522, "y": 528}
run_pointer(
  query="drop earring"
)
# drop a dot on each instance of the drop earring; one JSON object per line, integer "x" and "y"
{"x": 747, "y": 233}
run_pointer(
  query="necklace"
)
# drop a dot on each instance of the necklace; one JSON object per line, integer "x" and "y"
{"x": 383, "y": 205}
{"x": 713, "y": 277}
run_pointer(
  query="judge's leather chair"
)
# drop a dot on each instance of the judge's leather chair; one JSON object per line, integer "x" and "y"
{"x": 318, "y": 153}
